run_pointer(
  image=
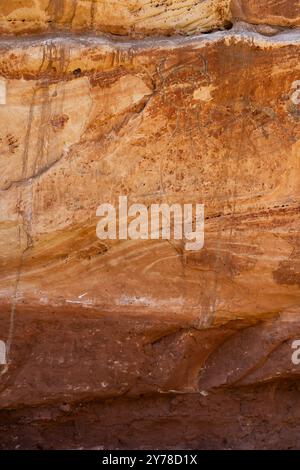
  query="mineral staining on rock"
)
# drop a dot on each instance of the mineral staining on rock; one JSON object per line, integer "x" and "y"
{"x": 212, "y": 119}
{"x": 269, "y": 12}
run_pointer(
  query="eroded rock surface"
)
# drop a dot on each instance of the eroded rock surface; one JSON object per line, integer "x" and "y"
{"x": 143, "y": 334}
{"x": 133, "y": 17}
{"x": 269, "y": 12}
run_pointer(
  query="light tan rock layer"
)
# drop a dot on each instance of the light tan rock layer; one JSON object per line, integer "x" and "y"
{"x": 142, "y": 17}
{"x": 114, "y": 16}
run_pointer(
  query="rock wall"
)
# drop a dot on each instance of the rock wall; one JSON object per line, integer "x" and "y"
{"x": 172, "y": 101}
{"x": 130, "y": 17}
{"x": 269, "y": 12}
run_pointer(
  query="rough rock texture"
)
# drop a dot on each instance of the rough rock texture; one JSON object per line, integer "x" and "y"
{"x": 183, "y": 349}
{"x": 269, "y": 12}
{"x": 142, "y": 17}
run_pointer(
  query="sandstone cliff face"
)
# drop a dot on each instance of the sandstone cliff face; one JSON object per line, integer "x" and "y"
{"x": 269, "y": 12}
{"x": 143, "y": 334}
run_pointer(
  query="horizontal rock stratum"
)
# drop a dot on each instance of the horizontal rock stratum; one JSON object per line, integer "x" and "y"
{"x": 186, "y": 349}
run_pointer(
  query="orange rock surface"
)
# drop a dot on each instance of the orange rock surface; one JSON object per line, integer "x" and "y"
{"x": 134, "y": 17}
{"x": 97, "y": 331}
{"x": 269, "y": 12}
